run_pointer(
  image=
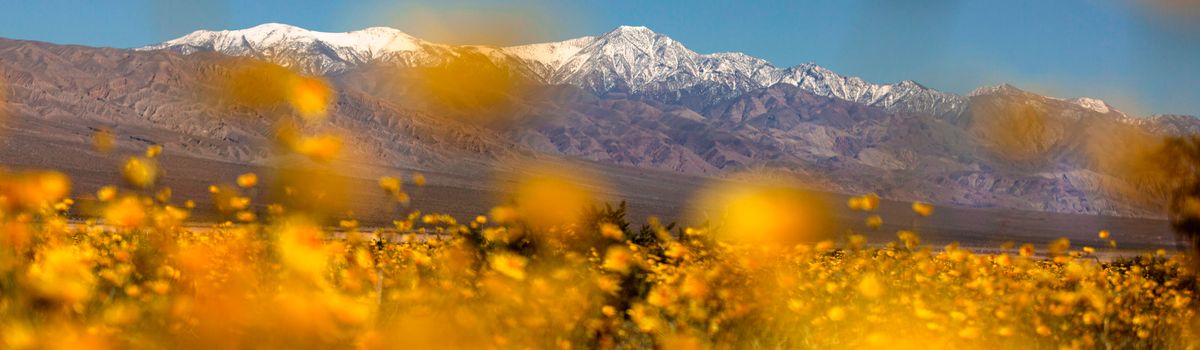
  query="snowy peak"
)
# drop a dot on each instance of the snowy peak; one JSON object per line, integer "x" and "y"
{"x": 907, "y": 96}
{"x": 551, "y": 54}
{"x": 1094, "y": 104}
{"x": 638, "y": 45}
{"x": 1088, "y": 103}
{"x": 546, "y": 58}
{"x": 374, "y": 40}
{"x": 313, "y": 51}
{"x": 640, "y": 30}
{"x": 635, "y": 36}
{"x": 629, "y": 58}
{"x": 640, "y": 37}
{"x": 620, "y": 41}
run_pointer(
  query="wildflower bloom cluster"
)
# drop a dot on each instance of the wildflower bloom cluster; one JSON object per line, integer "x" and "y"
{"x": 140, "y": 278}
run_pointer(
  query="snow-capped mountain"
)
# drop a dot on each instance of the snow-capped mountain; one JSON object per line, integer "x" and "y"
{"x": 546, "y": 58}
{"x": 1094, "y": 104}
{"x": 357, "y": 47}
{"x": 636, "y": 59}
{"x": 312, "y": 51}
{"x": 652, "y": 104}
{"x": 1091, "y": 104}
{"x": 907, "y": 96}
{"x": 627, "y": 59}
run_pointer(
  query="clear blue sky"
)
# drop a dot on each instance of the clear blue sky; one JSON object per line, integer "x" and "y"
{"x": 1138, "y": 57}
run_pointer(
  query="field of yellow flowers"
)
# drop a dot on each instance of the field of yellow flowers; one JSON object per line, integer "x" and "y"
{"x": 523, "y": 278}
{"x": 548, "y": 269}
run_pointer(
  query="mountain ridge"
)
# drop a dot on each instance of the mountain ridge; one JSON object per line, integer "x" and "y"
{"x": 832, "y": 143}
{"x": 571, "y": 62}
{"x": 630, "y": 57}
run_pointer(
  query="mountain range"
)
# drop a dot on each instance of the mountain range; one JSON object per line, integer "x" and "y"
{"x": 627, "y": 59}
{"x": 629, "y": 98}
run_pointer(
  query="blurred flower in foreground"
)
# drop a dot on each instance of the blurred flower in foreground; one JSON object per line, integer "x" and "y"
{"x": 874, "y": 221}
{"x": 765, "y": 213}
{"x": 321, "y": 148}
{"x": 62, "y": 273}
{"x": 247, "y": 180}
{"x": 1143, "y": 161}
{"x": 922, "y": 208}
{"x": 301, "y": 247}
{"x": 508, "y": 264}
{"x": 309, "y": 97}
{"x": 32, "y": 189}
{"x": 126, "y": 212}
{"x": 1059, "y": 246}
{"x": 551, "y": 197}
{"x": 1016, "y": 132}
{"x": 140, "y": 172}
{"x": 103, "y": 140}
{"x": 618, "y": 259}
{"x": 394, "y": 187}
{"x": 319, "y": 190}
{"x": 106, "y": 193}
{"x": 469, "y": 81}
{"x": 910, "y": 239}
{"x": 265, "y": 85}
{"x": 153, "y": 151}
{"x": 866, "y": 202}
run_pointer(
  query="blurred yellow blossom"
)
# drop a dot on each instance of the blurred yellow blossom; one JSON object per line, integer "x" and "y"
{"x": 140, "y": 172}
{"x": 247, "y": 180}
{"x": 870, "y": 287}
{"x": 612, "y": 231}
{"x": 310, "y": 97}
{"x": 508, "y": 264}
{"x": 551, "y": 199}
{"x": 765, "y": 213}
{"x": 62, "y": 273}
{"x": 874, "y": 221}
{"x": 618, "y": 259}
{"x": 922, "y": 208}
{"x": 260, "y": 84}
{"x": 103, "y": 140}
{"x": 836, "y": 313}
{"x": 153, "y": 151}
{"x": 322, "y": 148}
{"x": 126, "y": 212}
{"x": 867, "y": 202}
{"x": 32, "y": 189}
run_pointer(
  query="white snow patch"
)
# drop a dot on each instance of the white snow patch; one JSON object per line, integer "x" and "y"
{"x": 1092, "y": 104}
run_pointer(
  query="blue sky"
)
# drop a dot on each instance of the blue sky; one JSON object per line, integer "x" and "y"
{"x": 1138, "y": 57}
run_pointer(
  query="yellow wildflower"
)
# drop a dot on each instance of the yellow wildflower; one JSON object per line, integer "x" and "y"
{"x": 922, "y": 208}
{"x": 509, "y": 264}
{"x": 247, "y": 180}
{"x": 140, "y": 172}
